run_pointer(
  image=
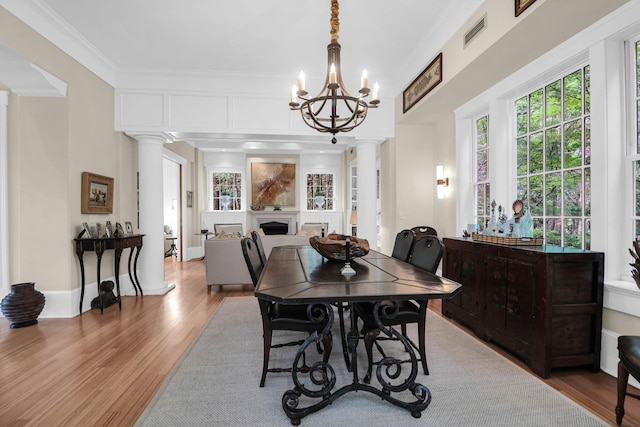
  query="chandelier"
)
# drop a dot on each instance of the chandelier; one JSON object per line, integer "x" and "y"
{"x": 334, "y": 110}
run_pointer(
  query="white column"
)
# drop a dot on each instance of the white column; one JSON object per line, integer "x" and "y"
{"x": 4, "y": 194}
{"x": 151, "y": 261}
{"x": 367, "y": 209}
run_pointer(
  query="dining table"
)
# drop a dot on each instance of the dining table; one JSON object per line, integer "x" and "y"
{"x": 301, "y": 275}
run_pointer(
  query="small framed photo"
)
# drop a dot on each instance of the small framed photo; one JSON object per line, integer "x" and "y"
{"x": 108, "y": 229}
{"x": 119, "y": 230}
{"x": 87, "y": 230}
{"x": 189, "y": 199}
{"x": 99, "y": 230}
{"x": 128, "y": 227}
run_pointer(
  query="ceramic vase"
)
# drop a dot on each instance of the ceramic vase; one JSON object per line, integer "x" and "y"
{"x": 23, "y": 305}
{"x": 319, "y": 202}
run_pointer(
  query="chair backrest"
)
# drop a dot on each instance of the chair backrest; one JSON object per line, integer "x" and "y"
{"x": 403, "y": 245}
{"x": 427, "y": 253}
{"x": 252, "y": 258}
{"x": 424, "y": 230}
{"x": 319, "y": 228}
{"x": 258, "y": 240}
{"x": 235, "y": 229}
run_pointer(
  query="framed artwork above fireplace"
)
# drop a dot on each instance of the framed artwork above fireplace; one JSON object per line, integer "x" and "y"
{"x": 273, "y": 184}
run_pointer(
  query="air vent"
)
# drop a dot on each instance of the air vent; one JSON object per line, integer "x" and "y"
{"x": 475, "y": 30}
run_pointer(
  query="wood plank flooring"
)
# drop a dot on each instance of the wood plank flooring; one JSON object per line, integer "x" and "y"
{"x": 103, "y": 370}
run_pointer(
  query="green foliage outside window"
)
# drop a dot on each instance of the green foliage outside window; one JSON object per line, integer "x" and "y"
{"x": 553, "y": 146}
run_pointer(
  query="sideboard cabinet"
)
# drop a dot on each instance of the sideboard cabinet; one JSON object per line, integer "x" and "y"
{"x": 542, "y": 303}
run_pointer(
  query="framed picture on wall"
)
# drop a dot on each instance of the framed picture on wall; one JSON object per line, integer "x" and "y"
{"x": 423, "y": 84}
{"x": 273, "y": 184}
{"x": 97, "y": 194}
{"x": 522, "y": 5}
{"x": 189, "y": 199}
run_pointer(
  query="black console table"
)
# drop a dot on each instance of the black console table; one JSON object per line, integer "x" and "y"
{"x": 118, "y": 244}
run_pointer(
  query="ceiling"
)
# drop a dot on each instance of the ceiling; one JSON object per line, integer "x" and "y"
{"x": 393, "y": 40}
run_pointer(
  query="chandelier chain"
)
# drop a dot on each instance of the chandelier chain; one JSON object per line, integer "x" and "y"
{"x": 335, "y": 21}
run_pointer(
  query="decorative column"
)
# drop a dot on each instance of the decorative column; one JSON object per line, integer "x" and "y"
{"x": 367, "y": 191}
{"x": 4, "y": 193}
{"x": 151, "y": 260}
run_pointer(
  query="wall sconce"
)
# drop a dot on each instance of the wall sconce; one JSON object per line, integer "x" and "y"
{"x": 353, "y": 221}
{"x": 441, "y": 181}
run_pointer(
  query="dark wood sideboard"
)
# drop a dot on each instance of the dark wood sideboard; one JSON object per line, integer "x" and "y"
{"x": 542, "y": 303}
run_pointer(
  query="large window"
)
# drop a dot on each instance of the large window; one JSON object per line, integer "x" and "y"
{"x": 320, "y": 183}
{"x": 553, "y": 159}
{"x": 636, "y": 149}
{"x": 482, "y": 187}
{"x": 226, "y": 184}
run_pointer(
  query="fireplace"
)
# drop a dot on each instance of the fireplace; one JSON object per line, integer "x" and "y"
{"x": 275, "y": 227}
{"x": 278, "y": 222}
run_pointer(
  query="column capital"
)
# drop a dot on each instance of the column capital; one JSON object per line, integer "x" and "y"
{"x": 375, "y": 142}
{"x": 150, "y": 137}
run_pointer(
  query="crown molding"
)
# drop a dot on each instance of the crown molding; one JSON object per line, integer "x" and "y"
{"x": 56, "y": 30}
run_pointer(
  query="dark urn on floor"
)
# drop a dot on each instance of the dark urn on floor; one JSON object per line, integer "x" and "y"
{"x": 23, "y": 305}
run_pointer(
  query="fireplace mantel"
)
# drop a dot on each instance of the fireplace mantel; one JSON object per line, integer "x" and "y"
{"x": 288, "y": 217}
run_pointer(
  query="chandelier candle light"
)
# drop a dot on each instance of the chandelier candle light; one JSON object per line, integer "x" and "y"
{"x": 334, "y": 110}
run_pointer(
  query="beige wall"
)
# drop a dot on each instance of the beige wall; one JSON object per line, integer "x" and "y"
{"x": 51, "y": 142}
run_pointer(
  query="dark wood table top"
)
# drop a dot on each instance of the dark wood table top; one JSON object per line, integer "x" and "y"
{"x": 299, "y": 275}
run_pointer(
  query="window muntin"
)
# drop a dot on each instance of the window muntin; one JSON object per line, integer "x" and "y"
{"x": 482, "y": 185}
{"x": 553, "y": 146}
{"x": 636, "y": 160}
{"x": 320, "y": 182}
{"x": 226, "y": 183}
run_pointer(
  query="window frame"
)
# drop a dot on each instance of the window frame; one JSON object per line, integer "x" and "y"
{"x": 308, "y": 197}
{"x": 210, "y": 189}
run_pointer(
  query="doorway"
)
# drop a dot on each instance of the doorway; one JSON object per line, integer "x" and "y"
{"x": 172, "y": 207}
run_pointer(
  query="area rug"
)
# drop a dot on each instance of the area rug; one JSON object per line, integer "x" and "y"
{"x": 216, "y": 384}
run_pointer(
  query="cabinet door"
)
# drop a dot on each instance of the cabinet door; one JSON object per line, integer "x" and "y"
{"x": 461, "y": 267}
{"x": 520, "y": 300}
{"x": 495, "y": 291}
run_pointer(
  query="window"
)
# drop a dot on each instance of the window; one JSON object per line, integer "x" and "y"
{"x": 226, "y": 183}
{"x": 553, "y": 159}
{"x": 636, "y": 150}
{"x": 354, "y": 187}
{"x": 322, "y": 182}
{"x": 482, "y": 187}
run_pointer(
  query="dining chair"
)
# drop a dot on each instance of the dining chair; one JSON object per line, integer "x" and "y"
{"x": 423, "y": 231}
{"x": 426, "y": 255}
{"x": 629, "y": 354}
{"x": 403, "y": 245}
{"x": 282, "y": 317}
{"x": 258, "y": 240}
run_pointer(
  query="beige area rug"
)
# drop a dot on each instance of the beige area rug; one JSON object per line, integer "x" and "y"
{"x": 216, "y": 384}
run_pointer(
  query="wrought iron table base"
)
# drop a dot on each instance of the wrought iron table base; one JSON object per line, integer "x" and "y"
{"x": 323, "y": 376}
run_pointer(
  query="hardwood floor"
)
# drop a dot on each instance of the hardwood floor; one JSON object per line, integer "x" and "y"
{"x": 103, "y": 370}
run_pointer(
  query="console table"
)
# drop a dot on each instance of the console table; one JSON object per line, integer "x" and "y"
{"x": 542, "y": 303}
{"x": 118, "y": 244}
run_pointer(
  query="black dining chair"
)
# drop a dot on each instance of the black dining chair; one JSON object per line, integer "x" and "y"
{"x": 427, "y": 253}
{"x": 423, "y": 231}
{"x": 258, "y": 240}
{"x": 629, "y": 354}
{"x": 281, "y": 317}
{"x": 403, "y": 245}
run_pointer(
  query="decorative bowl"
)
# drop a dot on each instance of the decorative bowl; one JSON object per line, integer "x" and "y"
{"x": 257, "y": 208}
{"x": 334, "y": 246}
